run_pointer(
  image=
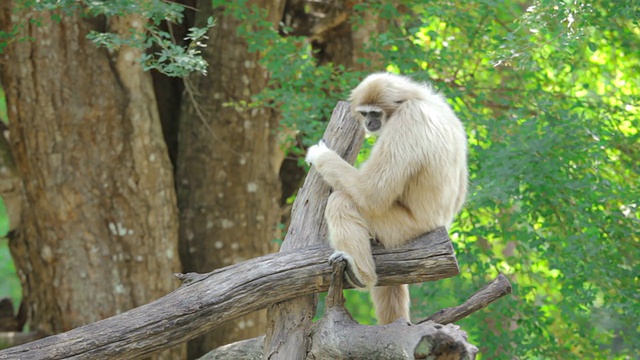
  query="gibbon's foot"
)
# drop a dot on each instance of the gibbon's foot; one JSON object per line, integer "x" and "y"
{"x": 315, "y": 151}
{"x": 351, "y": 272}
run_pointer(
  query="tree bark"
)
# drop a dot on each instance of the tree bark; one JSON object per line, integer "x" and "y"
{"x": 228, "y": 161}
{"x": 207, "y": 300}
{"x": 11, "y": 189}
{"x": 253, "y": 349}
{"x": 100, "y": 224}
{"x": 289, "y": 322}
{"x": 333, "y": 336}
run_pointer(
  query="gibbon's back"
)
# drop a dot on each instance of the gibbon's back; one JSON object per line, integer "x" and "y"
{"x": 435, "y": 192}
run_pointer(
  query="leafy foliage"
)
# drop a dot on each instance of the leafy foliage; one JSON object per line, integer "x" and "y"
{"x": 10, "y": 284}
{"x": 161, "y": 50}
{"x": 549, "y": 94}
{"x": 552, "y": 117}
{"x": 304, "y": 92}
{"x": 549, "y": 97}
{"x": 3, "y": 108}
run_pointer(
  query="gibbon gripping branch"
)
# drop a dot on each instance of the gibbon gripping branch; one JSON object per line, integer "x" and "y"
{"x": 206, "y": 300}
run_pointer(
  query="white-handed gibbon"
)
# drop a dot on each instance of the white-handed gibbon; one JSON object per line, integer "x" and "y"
{"x": 414, "y": 181}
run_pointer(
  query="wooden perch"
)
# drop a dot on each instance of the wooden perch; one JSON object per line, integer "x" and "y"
{"x": 288, "y": 322}
{"x": 338, "y": 336}
{"x": 290, "y": 333}
{"x": 286, "y": 282}
{"x": 206, "y": 300}
{"x": 499, "y": 287}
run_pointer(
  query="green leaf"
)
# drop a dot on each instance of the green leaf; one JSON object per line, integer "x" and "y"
{"x": 4, "y": 219}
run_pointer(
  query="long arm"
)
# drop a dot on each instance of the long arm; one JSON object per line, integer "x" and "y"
{"x": 374, "y": 187}
{"x": 398, "y": 154}
{"x": 339, "y": 174}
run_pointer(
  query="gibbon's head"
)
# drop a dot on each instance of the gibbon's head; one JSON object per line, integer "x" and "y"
{"x": 375, "y": 99}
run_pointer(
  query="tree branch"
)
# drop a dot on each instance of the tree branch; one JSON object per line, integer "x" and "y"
{"x": 14, "y": 338}
{"x": 289, "y": 322}
{"x": 499, "y": 287}
{"x": 491, "y": 292}
{"x": 206, "y": 300}
{"x": 333, "y": 336}
{"x": 335, "y": 297}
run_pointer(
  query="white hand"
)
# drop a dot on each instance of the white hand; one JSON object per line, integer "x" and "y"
{"x": 316, "y": 151}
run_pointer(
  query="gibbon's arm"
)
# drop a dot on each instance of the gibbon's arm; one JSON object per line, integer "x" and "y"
{"x": 339, "y": 174}
{"x": 399, "y": 153}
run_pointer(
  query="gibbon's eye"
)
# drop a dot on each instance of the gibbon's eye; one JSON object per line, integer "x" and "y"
{"x": 363, "y": 113}
{"x": 375, "y": 114}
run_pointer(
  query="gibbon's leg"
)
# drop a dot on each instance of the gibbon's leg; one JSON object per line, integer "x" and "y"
{"x": 391, "y": 303}
{"x": 394, "y": 227}
{"x": 349, "y": 237}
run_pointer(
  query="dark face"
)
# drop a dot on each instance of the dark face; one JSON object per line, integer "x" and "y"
{"x": 372, "y": 120}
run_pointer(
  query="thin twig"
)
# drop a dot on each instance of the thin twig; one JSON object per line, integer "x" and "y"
{"x": 481, "y": 299}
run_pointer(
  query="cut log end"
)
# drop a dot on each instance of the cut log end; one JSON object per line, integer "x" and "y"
{"x": 445, "y": 342}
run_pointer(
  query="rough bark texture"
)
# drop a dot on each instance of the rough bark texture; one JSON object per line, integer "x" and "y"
{"x": 207, "y": 300}
{"x": 252, "y": 348}
{"x": 99, "y": 232}
{"x": 338, "y": 336}
{"x": 228, "y": 162}
{"x": 289, "y": 322}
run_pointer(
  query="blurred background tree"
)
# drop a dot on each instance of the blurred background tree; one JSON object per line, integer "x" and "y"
{"x": 548, "y": 91}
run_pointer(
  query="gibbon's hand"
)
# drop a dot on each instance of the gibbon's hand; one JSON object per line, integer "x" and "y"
{"x": 351, "y": 272}
{"x": 314, "y": 152}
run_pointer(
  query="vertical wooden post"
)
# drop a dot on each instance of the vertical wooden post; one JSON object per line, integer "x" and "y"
{"x": 288, "y": 322}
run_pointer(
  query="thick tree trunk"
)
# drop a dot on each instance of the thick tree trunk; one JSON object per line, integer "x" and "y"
{"x": 99, "y": 232}
{"x": 228, "y": 162}
{"x": 345, "y": 36}
{"x": 11, "y": 189}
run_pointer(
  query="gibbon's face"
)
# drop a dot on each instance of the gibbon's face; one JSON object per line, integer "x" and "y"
{"x": 373, "y": 118}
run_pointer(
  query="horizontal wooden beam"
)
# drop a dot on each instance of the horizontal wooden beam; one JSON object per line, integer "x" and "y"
{"x": 496, "y": 289}
{"x": 206, "y": 300}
